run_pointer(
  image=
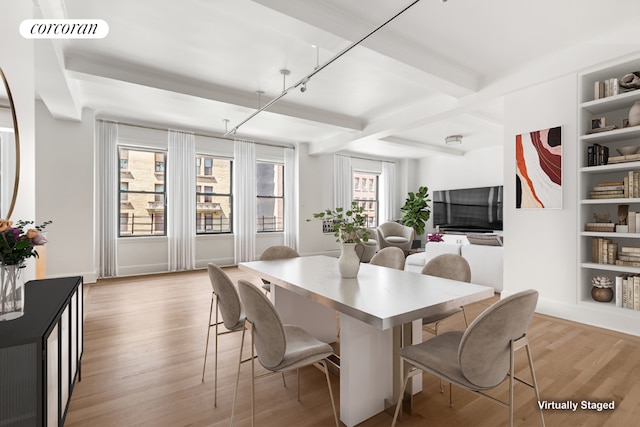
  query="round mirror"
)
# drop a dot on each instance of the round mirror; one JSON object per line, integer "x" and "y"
{"x": 9, "y": 150}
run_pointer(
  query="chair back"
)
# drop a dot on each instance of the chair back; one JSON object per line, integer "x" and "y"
{"x": 228, "y": 298}
{"x": 278, "y": 252}
{"x": 484, "y": 351}
{"x": 268, "y": 332}
{"x": 391, "y": 228}
{"x": 449, "y": 266}
{"x": 391, "y": 257}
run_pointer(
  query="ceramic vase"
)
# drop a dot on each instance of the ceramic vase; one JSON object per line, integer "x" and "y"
{"x": 11, "y": 292}
{"x": 602, "y": 294}
{"x": 348, "y": 263}
{"x": 634, "y": 114}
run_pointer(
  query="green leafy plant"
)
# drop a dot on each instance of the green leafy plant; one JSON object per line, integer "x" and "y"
{"x": 16, "y": 244}
{"x": 416, "y": 210}
{"x": 348, "y": 226}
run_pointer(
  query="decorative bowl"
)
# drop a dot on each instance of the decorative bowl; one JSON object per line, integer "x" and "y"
{"x": 625, "y": 151}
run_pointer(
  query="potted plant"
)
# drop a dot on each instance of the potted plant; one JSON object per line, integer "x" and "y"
{"x": 416, "y": 211}
{"x": 349, "y": 229}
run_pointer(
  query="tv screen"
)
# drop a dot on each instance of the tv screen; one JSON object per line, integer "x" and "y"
{"x": 468, "y": 209}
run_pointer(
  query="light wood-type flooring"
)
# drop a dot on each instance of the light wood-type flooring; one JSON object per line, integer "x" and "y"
{"x": 144, "y": 348}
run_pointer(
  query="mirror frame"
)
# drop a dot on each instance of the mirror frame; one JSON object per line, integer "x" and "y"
{"x": 16, "y": 181}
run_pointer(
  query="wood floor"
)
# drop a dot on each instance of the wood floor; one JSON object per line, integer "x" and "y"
{"x": 144, "y": 348}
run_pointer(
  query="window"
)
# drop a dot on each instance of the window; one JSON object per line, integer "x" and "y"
{"x": 213, "y": 195}
{"x": 367, "y": 195}
{"x": 142, "y": 193}
{"x": 270, "y": 192}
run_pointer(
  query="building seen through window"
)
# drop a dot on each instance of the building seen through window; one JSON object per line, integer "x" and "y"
{"x": 365, "y": 192}
{"x": 142, "y": 193}
{"x": 270, "y": 192}
{"x": 213, "y": 195}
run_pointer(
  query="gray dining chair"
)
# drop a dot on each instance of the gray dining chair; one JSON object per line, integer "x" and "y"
{"x": 227, "y": 301}
{"x": 279, "y": 347}
{"x": 276, "y": 252}
{"x": 447, "y": 266}
{"x": 391, "y": 256}
{"x": 481, "y": 357}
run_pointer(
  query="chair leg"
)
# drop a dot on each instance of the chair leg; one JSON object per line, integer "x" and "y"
{"x": 215, "y": 364}
{"x": 253, "y": 378}
{"x": 333, "y": 404}
{"x": 464, "y": 313}
{"x": 399, "y": 404}
{"x": 512, "y": 373}
{"x": 235, "y": 393}
{"x": 535, "y": 383}
{"x": 206, "y": 348}
{"x": 297, "y": 380}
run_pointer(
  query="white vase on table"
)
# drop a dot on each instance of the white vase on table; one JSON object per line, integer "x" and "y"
{"x": 349, "y": 262}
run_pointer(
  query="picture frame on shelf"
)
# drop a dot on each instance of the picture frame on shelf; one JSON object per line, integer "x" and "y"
{"x": 598, "y": 123}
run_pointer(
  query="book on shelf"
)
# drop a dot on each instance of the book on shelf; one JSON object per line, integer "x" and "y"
{"x": 606, "y": 88}
{"x": 636, "y": 295}
{"x": 622, "y": 159}
{"x": 630, "y": 249}
{"x": 605, "y": 227}
{"x": 597, "y": 155}
{"x": 603, "y": 251}
{"x": 631, "y": 221}
{"x": 618, "y": 289}
{"x": 634, "y": 257}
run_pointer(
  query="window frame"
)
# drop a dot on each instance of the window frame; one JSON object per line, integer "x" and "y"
{"x": 127, "y": 173}
{"x": 276, "y": 230}
{"x": 200, "y": 159}
{"x": 365, "y": 187}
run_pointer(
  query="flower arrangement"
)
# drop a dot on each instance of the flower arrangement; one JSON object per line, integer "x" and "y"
{"x": 436, "y": 237}
{"x": 16, "y": 244}
{"x": 348, "y": 226}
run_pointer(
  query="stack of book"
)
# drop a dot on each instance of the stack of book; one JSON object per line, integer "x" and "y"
{"x": 631, "y": 184}
{"x": 604, "y": 251}
{"x": 629, "y": 256}
{"x": 622, "y": 159}
{"x": 597, "y": 155}
{"x": 609, "y": 87}
{"x": 627, "y": 292}
{"x": 604, "y": 227}
{"x": 608, "y": 190}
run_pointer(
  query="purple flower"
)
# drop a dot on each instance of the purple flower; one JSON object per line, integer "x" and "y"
{"x": 40, "y": 239}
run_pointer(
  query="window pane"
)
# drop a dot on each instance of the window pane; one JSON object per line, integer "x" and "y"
{"x": 270, "y": 214}
{"x": 145, "y": 217}
{"x": 214, "y": 216}
{"x": 270, "y": 180}
{"x": 142, "y": 193}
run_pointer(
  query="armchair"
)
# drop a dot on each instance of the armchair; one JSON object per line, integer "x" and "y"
{"x": 394, "y": 234}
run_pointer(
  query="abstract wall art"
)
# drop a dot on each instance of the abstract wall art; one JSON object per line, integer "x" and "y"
{"x": 539, "y": 169}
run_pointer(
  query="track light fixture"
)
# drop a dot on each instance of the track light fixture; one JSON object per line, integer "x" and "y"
{"x": 316, "y": 70}
{"x": 453, "y": 140}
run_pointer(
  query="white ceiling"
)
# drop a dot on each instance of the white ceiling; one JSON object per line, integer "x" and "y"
{"x": 438, "y": 69}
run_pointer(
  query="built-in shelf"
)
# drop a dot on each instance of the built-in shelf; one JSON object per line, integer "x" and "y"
{"x": 614, "y": 109}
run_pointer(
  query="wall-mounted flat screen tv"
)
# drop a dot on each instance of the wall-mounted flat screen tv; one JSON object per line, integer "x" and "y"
{"x": 468, "y": 209}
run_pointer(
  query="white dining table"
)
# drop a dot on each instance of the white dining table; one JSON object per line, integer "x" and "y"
{"x": 377, "y": 310}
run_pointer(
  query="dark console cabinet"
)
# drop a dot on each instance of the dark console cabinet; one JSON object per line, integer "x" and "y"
{"x": 40, "y": 354}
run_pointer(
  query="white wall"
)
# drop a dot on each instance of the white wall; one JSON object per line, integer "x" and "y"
{"x": 16, "y": 59}
{"x": 481, "y": 168}
{"x": 540, "y": 249}
{"x": 64, "y": 192}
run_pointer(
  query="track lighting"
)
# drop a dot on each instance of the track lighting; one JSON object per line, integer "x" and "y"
{"x": 303, "y": 88}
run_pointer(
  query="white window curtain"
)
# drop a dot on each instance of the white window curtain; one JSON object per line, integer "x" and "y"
{"x": 342, "y": 182}
{"x": 388, "y": 205}
{"x": 290, "y": 199}
{"x": 244, "y": 200}
{"x": 181, "y": 200}
{"x": 108, "y": 178}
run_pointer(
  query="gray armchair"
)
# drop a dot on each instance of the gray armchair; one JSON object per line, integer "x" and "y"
{"x": 483, "y": 356}
{"x": 394, "y": 234}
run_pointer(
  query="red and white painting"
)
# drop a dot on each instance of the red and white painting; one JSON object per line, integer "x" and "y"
{"x": 539, "y": 169}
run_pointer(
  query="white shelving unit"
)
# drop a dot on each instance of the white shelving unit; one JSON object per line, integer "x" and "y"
{"x": 614, "y": 109}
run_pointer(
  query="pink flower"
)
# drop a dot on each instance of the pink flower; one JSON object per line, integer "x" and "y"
{"x": 39, "y": 239}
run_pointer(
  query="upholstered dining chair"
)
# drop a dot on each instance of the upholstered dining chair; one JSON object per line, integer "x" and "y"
{"x": 447, "y": 266}
{"x": 276, "y": 252}
{"x": 279, "y": 347}
{"x": 391, "y": 257}
{"x": 393, "y": 234}
{"x": 480, "y": 358}
{"x": 227, "y": 301}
